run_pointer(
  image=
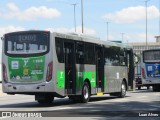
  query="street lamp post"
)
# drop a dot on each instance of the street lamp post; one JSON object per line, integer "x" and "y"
{"x": 82, "y": 14}
{"x": 122, "y": 36}
{"x": 146, "y": 24}
{"x": 107, "y": 30}
{"x": 159, "y": 17}
{"x": 74, "y": 5}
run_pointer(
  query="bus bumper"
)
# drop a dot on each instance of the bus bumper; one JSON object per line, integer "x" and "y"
{"x": 150, "y": 81}
{"x": 28, "y": 88}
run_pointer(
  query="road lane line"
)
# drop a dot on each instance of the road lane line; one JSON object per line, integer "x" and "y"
{"x": 141, "y": 97}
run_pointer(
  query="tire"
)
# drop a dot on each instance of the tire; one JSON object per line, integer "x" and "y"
{"x": 148, "y": 87}
{"x": 85, "y": 93}
{"x": 122, "y": 94}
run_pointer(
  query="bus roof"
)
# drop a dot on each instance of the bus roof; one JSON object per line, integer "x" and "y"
{"x": 87, "y": 38}
{"x": 82, "y": 37}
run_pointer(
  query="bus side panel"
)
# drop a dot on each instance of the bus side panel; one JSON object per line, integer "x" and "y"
{"x": 114, "y": 76}
{"x": 85, "y": 72}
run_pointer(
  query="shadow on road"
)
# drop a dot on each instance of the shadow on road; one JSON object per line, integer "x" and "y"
{"x": 143, "y": 91}
{"x": 57, "y": 102}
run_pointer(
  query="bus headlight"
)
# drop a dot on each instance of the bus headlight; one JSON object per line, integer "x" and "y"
{"x": 143, "y": 73}
{"x": 49, "y": 71}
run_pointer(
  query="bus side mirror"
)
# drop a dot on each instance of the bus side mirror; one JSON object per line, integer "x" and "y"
{"x": 2, "y": 38}
{"x": 136, "y": 59}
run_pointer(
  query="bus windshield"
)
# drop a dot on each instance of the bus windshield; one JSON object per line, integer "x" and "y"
{"x": 26, "y": 43}
{"x": 151, "y": 56}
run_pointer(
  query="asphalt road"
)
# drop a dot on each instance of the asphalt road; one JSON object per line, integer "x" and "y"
{"x": 136, "y": 104}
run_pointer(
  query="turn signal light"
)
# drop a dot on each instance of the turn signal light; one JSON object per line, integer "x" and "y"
{"x": 49, "y": 71}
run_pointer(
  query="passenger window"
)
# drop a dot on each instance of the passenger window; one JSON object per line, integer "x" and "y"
{"x": 79, "y": 53}
{"x": 112, "y": 56}
{"x": 122, "y": 57}
{"x": 89, "y": 53}
{"x": 59, "y": 50}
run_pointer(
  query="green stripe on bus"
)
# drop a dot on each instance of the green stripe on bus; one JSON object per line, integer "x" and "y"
{"x": 80, "y": 77}
{"x": 61, "y": 79}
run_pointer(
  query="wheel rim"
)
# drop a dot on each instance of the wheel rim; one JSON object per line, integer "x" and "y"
{"x": 85, "y": 92}
{"x": 123, "y": 89}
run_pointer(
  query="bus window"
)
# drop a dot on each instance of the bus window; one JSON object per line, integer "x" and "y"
{"x": 112, "y": 56}
{"x": 80, "y": 53}
{"x": 89, "y": 53}
{"x": 26, "y": 44}
{"x": 122, "y": 57}
{"x": 59, "y": 50}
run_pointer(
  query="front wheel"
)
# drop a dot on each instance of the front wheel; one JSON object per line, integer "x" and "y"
{"x": 85, "y": 93}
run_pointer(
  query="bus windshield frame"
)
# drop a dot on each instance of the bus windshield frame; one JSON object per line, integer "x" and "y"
{"x": 154, "y": 58}
{"x": 27, "y": 44}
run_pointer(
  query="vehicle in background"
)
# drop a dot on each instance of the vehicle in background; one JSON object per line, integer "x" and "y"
{"x": 50, "y": 65}
{"x": 0, "y": 72}
{"x": 150, "y": 69}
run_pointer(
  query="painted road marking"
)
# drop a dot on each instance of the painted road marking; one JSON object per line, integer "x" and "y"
{"x": 157, "y": 94}
{"x": 141, "y": 97}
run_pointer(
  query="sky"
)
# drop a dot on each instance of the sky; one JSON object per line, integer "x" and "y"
{"x": 123, "y": 16}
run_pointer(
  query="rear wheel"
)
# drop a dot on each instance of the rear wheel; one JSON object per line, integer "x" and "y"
{"x": 122, "y": 94}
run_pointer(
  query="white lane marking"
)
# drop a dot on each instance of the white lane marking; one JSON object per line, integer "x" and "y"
{"x": 157, "y": 94}
{"x": 64, "y": 108}
{"x": 120, "y": 100}
{"x": 109, "y": 101}
{"x": 141, "y": 96}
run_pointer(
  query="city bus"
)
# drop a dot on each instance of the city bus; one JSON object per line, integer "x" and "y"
{"x": 150, "y": 69}
{"x": 50, "y": 64}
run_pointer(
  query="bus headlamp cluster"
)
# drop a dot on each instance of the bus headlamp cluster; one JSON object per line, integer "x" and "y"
{"x": 49, "y": 71}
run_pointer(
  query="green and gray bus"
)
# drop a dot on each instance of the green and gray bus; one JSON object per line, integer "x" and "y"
{"x": 49, "y": 65}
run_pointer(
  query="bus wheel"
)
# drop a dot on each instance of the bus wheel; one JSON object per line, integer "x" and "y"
{"x": 122, "y": 94}
{"x": 44, "y": 99}
{"x": 85, "y": 93}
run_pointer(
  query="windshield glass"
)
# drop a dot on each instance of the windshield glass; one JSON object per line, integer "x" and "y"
{"x": 26, "y": 43}
{"x": 151, "y": 56}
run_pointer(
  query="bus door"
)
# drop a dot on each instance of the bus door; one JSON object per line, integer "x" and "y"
{"x": 70, "y": 71}
{"x": 130, "y": 64}
{"x": 99, "y": 68}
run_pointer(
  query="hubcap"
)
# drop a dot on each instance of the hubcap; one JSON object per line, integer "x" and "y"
{"x": 123, "y": 89}
{"x": 85, "y": 91}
